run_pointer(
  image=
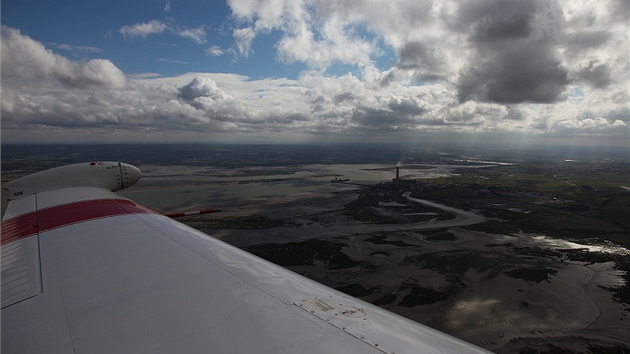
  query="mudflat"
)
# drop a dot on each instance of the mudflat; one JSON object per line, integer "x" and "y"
{"x": 508, "y": 292}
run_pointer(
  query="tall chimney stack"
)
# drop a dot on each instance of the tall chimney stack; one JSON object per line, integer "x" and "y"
{"x": 397, "y": 172}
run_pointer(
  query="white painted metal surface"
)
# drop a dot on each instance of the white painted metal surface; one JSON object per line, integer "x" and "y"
{"x": 131, "y": 281}
{"x": 107, "y": 175}
{"x": 21, "y": 276}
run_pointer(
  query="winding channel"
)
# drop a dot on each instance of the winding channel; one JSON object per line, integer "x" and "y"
{"x": 462, "y": 218}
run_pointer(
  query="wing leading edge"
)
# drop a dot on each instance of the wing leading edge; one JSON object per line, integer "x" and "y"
{"x": 109, "y": 276}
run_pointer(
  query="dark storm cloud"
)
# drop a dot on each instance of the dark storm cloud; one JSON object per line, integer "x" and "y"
{"x": 581, "y": 40}
{"x": 416, "y": 55}
{"x": 380, "y": 119}
{"x": 498, "y": 20}
{"x": 400, "y": 114}
{"x": 515, "y": 75}
{"x": 595, "y": 75}
{"x": 515, "y": 55}
{"x": 621, "y": 10}
{"x": 621, "y": 114}
{"x": 422, "y": 59}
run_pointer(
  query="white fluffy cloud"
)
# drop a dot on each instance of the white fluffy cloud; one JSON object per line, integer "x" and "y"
{"x": 215, "y": 51}
{"x": 143, "y": 29}
{"x": 532, "y": 67}
{"x": 26, "y": 59}
{"x": 492, "y": 50}
{"x": 197, "y": 35}
{"x": 244, "y": 38}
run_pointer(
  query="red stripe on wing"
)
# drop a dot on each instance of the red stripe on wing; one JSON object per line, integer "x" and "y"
{"x": 18, "y": 227}
{"x": 58, "y": 216}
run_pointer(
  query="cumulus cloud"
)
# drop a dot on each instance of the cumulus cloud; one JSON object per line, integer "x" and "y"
{"x": 514, "y": 75}
{"x": 515, "y": 57}
{"x": 26, "y": 59}
{"x": 424, "y": 61}
{"x": 590, "y": 125}
{"x": 306, "y": 37}
{"x": 202, "y": 87}
{"x": 491, "y": 67}
{"x": 491, "y": 50}
{"x": 596, "y": 75}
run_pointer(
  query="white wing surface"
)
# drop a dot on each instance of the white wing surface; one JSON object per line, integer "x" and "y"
{"x": 87, "y": 271}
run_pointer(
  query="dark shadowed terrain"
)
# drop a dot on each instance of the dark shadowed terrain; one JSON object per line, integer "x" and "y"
{"x": 518, "y": 252}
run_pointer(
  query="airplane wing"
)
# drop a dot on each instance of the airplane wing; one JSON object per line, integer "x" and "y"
{"x": 87, "y": 271}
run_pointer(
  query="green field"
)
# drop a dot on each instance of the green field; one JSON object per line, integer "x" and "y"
{"x": 577, "y": 200}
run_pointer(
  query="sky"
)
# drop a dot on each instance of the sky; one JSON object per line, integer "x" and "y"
{"x": 522, "y": 73}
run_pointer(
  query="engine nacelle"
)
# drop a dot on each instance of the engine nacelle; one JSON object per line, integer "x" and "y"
{"x": 108, "y": 175}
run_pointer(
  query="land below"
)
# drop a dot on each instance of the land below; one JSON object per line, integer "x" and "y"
{"x": 511, "y": 262}
{"x": 514, "y": 256}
